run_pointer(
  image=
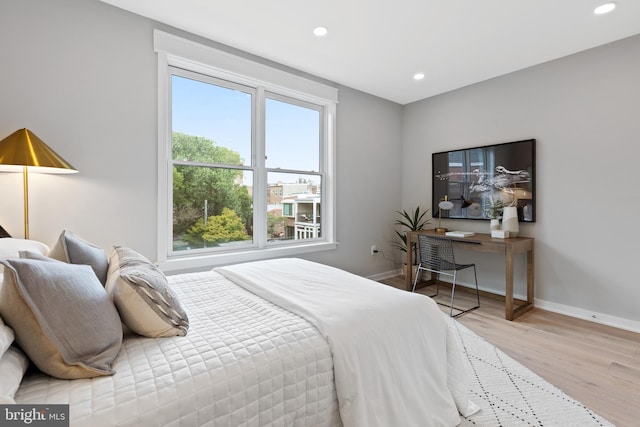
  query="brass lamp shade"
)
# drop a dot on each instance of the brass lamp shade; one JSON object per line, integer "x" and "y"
{"x": 23, "y": 151}
{"x": 24, "y": 148}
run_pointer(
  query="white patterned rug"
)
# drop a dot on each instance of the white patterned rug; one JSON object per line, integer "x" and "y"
{"x": 510, "y": 394}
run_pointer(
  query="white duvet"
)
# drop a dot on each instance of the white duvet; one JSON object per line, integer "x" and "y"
{"x": 395, "y": 362}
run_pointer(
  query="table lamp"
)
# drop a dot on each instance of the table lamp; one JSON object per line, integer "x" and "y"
{"x": 23, "y": 151}
{"x": 445, "y": 204}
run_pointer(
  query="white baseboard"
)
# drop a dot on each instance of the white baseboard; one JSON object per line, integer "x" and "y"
{"x": 385, "y": 275}
{"x": 604, "y": 319}
{"x": 567, "y": 310}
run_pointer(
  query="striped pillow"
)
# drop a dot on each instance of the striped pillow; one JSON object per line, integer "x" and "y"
{"x": 141, "y": 293}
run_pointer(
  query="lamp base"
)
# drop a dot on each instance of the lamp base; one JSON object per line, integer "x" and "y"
{"x": 441, "y": 230}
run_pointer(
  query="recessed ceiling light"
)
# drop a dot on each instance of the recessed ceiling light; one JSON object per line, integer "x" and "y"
{"x": 320, "y": 31}
{"x": 418, "y": 76}
{"x": 604, "y": 8}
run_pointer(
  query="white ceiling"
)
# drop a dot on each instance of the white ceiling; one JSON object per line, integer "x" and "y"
{"x": 377, "y": 46}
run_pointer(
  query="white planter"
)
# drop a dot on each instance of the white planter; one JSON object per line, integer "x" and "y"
{"x": 510, "y": 221}
{"x": 494, "y": 224}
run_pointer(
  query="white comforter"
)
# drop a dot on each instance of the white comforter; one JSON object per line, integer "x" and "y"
{"x": 395, "y": 362}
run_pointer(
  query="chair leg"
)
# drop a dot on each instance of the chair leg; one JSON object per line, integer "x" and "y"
{"x": 453, "y": 292}
{"x": 477, "y": 289}
{"x": 415, "y": 279}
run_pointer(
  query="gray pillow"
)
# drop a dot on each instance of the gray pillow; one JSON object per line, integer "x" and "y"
{"x": 62, "y": 317}
{"x": 36, "y": 256}
{"x": 141, "y": 293}
{"x": 74, "y": 250}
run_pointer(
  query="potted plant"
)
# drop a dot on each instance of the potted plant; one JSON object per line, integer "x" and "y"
{"x": 493, "y": 212}
{"x": 411, "y": 221}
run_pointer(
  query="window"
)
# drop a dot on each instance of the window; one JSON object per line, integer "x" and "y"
{"x": 211, "y": 171}
{"x": 245, "y": 162}
{"x": 287, "y": 209}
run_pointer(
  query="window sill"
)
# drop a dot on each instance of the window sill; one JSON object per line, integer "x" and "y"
{"x": 185, "y": 264}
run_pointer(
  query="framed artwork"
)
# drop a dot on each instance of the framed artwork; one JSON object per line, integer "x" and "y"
{"x": 479, "y": 181}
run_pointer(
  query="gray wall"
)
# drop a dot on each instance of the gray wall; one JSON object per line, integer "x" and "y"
{"x": 584, "y": 112}
{"x": 82, "y": 75}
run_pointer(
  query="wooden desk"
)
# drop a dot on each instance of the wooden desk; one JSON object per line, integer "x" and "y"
{"x": 485, "y": 243}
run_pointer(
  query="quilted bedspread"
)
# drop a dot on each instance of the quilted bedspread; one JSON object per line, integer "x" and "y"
{"x": 244, "y": 362}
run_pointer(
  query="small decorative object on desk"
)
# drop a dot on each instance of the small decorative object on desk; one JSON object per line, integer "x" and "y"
{"x": 510, "y": 220}
{"x": 459, "y": 233}
{"x": 500, "y": 234}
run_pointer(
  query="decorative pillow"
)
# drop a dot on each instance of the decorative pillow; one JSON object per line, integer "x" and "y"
{"x": 140, "y": 291}
{"x": 13, "y": 365}
{"x": 61, "y": 316}
{"x": 74, "y": 250}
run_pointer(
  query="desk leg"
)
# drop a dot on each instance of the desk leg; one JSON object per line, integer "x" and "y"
{"x": 511, "y": 312}
{"x": 409, "y": 270}
{"x": 530, "y": 260}
{"x": 508, "y": 299}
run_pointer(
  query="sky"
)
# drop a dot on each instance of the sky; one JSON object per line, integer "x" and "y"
{"x": 224, "y": 116}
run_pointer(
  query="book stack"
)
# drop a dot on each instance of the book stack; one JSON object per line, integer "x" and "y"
{"x": 459, "y": 233}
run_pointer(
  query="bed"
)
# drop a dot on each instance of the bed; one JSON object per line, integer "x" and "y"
{"x": 284, "y": 342}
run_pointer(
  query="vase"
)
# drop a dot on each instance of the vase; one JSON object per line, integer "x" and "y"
{"x": 494, "y": 224}
{"x": 510, "y": 221}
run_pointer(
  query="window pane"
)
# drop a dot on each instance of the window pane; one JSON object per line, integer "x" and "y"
{"x": 293, "y": 206}
{"x": 212, "y": 207}
{"x": 292, "y": 136}
{"x": 218, "y": 115}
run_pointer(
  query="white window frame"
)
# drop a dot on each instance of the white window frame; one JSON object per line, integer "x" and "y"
{"x": 182, "y": 53}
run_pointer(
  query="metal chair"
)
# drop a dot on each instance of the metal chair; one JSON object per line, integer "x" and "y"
{"x": 436, "y": 256}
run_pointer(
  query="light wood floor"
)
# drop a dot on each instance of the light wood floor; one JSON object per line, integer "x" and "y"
{"x": 597, "y": 365}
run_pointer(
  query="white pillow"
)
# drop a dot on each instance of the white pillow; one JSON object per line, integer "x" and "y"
{"x": 6, "y": 336}
{"x": 9, "y": 248}
{"x": 13, "y": 365}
